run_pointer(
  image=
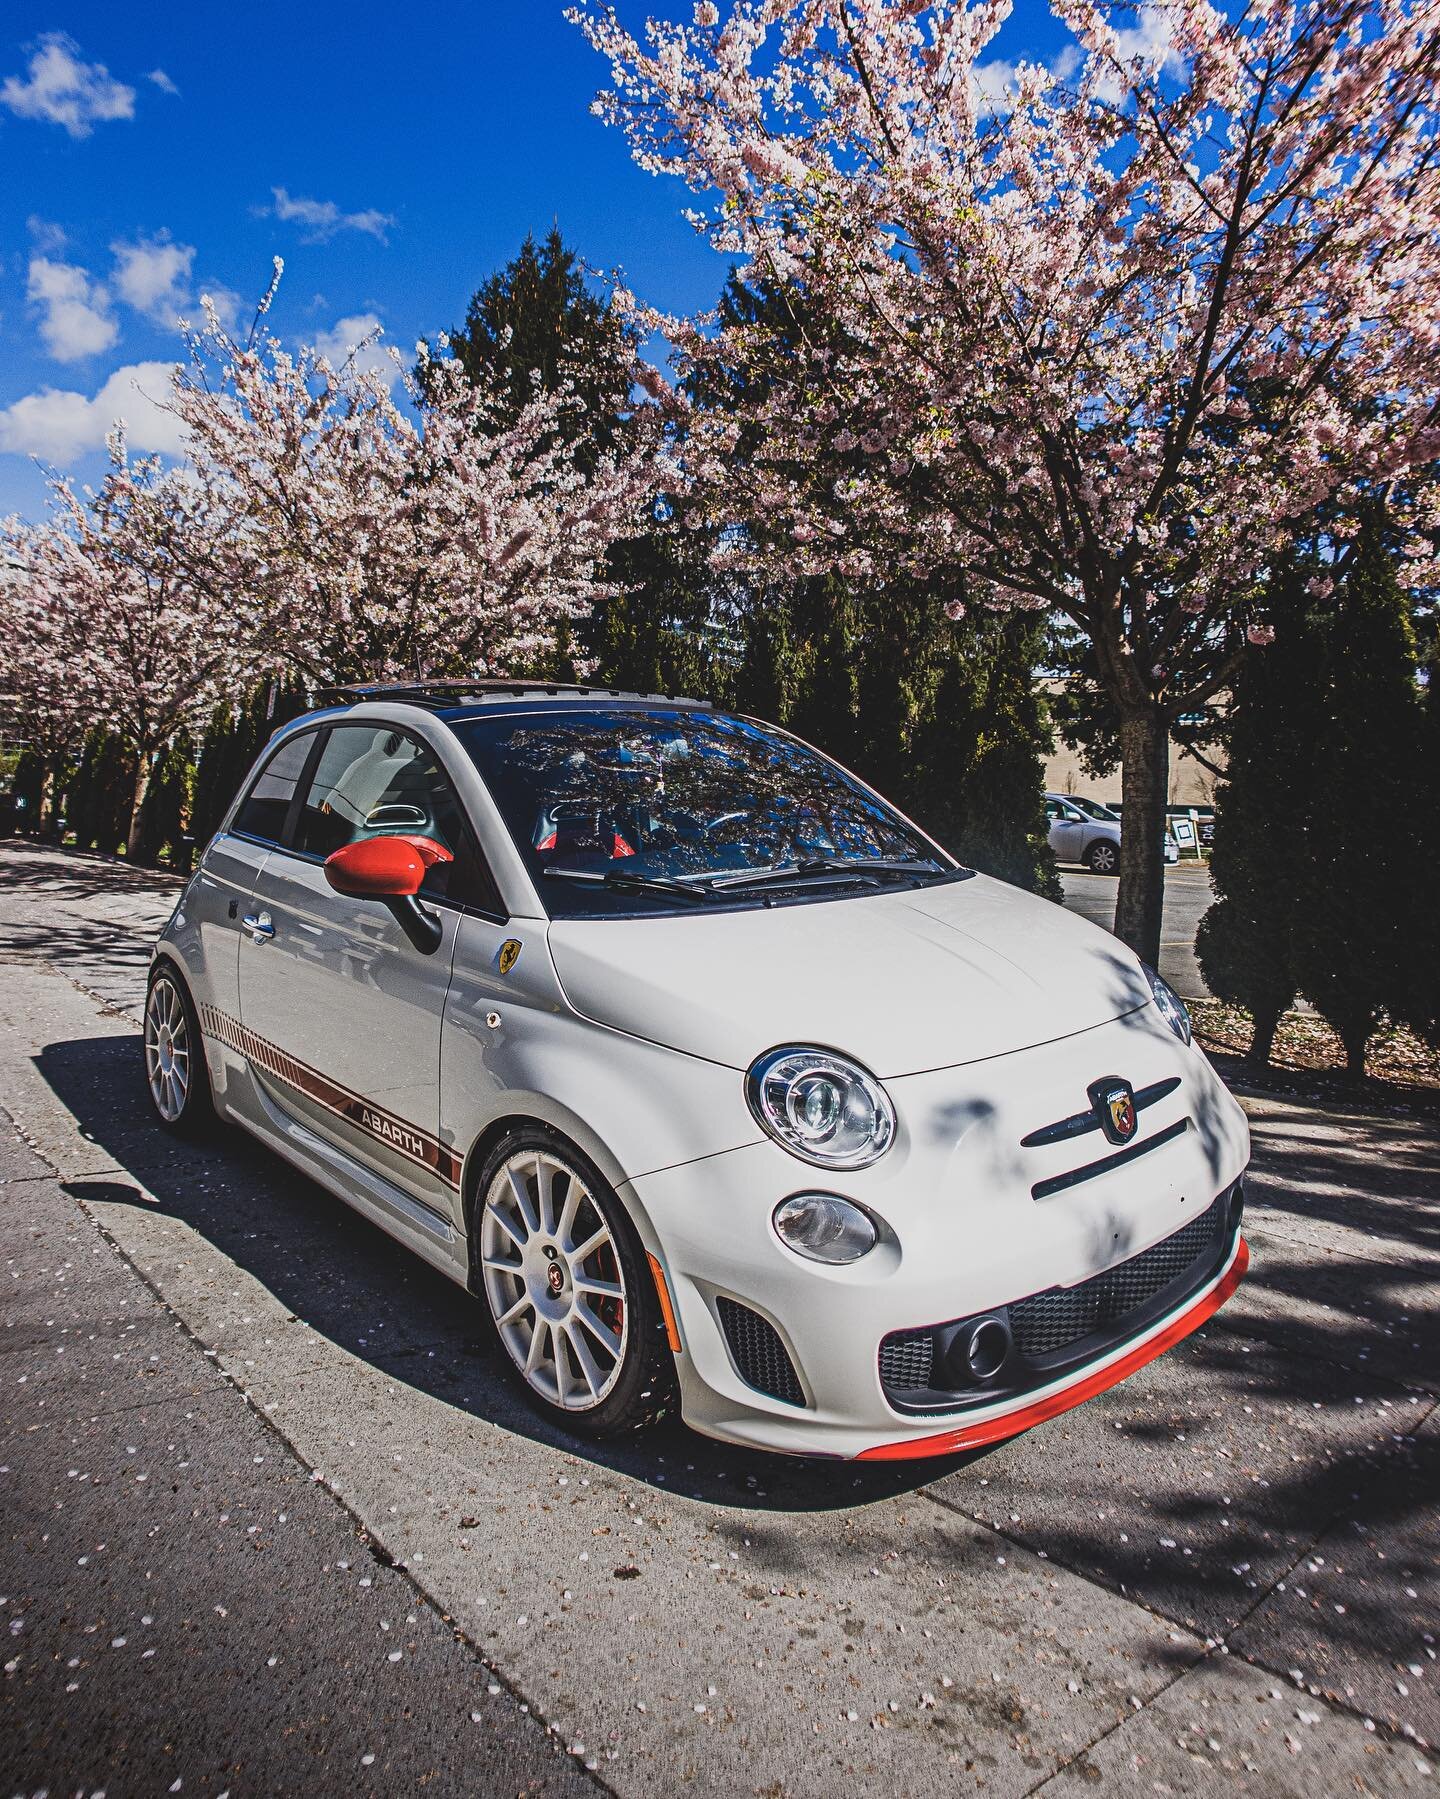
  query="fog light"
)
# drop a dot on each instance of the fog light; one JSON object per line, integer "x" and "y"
{"x": 824, "y": 1227}
{"x": 988, "y": 1348}
{"x": 1237, "y": 1205}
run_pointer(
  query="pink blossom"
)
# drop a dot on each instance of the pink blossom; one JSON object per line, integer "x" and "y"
{"x": 1260, "y": 635}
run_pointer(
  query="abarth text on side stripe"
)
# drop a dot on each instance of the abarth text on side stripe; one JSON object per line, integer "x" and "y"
{"x": 713, "y": 1078}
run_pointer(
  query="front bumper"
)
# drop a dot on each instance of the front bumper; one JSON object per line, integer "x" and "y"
{"x": 974, "y": 1221}
{"x": 1077, "y": 1388}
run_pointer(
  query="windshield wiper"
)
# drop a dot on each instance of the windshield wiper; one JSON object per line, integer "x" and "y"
{"x": 897, "y": 869}
{"x": 617, "y": 880}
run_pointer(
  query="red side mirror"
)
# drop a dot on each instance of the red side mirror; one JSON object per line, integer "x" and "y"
{"x": 384, "y": 867}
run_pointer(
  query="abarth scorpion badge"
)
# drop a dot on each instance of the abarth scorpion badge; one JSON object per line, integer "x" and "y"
{"x": 1114, "y": 1103}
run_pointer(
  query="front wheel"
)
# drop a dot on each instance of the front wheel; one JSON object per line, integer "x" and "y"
{"x": 1102, "y": 858}
{"x": 565, "y": 1283}
{"x": 175, "y": 1071}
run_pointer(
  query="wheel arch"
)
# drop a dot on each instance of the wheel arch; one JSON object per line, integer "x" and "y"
{"x": 529, "y": 1112}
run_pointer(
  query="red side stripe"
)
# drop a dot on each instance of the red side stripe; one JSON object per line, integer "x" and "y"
{"x": 401, "y": 1136}
{"x": 1010, "y": 1424}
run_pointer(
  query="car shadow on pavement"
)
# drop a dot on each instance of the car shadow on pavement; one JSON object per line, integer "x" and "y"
{"x": 345, "y": 1278}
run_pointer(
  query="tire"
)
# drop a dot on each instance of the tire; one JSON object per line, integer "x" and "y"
{"x": 1103, "y": 858}
{"x": 176, "y": 1075}
{"x": 582, "y": 1332}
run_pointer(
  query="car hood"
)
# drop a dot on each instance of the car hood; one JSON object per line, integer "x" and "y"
{"x": 904, "y": 980}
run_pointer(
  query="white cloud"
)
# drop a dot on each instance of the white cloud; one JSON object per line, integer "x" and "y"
{"x": 163, "y": 82}
{"x": 58, "y": 425}
{"x": 65, "y": 91}
{"x": 48, "y": 238}
{"x": 153, "y": 276}
{"x": 1149, "y": 40}
{"x": 994, "y": 83}
{"x": 323, "y": 219}
{"x": 75, "y": 316}
{"x": 347, "y": 335}
{"x": 230, "y": 307}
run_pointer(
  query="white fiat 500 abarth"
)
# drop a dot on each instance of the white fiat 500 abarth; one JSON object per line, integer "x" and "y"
{"x": 708, "y": 1073}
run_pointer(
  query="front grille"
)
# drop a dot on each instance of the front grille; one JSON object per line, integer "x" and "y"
{"x": 1049, "y": 1321}
{"x": 925, "y": 1369}
{"x": 760, "y": 1357}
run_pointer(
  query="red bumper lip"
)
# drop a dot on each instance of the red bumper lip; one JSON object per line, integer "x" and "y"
{"x": 1010, "y": 1424}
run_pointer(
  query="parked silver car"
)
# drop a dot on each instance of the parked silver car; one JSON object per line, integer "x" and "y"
{"x": 1085, "y": 832}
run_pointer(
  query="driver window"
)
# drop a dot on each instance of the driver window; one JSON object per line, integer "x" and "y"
{"x": 374, "y": 781}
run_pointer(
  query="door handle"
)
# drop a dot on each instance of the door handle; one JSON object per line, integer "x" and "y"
{"x": 259, "y": 925}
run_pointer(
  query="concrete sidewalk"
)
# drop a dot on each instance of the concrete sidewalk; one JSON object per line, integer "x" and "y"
{"x": 1224, "y": 1569}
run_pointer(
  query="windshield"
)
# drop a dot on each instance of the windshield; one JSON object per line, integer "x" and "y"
{"x": 644, "y": 810}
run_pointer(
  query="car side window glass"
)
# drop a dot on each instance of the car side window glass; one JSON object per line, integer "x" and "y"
{"x": 263, "y": 810}
{"x": 376, "y": 781}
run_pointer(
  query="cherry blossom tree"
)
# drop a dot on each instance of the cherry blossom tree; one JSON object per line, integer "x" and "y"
{"x": 43, "y": 702}
{"x": 382, "y": 541}
{"x": 126, "y": 620}
{"x": 1087, "y": 337}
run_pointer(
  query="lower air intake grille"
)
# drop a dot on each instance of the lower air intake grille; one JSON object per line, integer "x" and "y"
{"x": 758, "y": 1353}
{"x": 907, "y": 1359}
{"x": 1049, "y": 1321}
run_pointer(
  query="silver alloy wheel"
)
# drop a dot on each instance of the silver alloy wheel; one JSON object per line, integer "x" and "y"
{"x": 553, "y": 1280}
{"x": 1103, "y": 858}
{"x": 167, "y": 1049}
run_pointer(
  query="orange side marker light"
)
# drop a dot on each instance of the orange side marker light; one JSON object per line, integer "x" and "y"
{"x": 667, "y": 1311}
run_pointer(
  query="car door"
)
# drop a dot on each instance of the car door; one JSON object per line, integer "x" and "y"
{"x": 1067, "y": 831}
{"x": 341, "y": 1012}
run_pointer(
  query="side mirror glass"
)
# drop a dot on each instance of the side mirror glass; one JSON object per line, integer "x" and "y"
{"x": 391, "y": 869}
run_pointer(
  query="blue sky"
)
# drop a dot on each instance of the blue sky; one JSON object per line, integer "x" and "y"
{"x": 142, "y": 147}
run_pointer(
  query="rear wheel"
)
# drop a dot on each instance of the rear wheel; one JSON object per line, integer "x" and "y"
{"x": 566, "y": 1286}
{"x": 175, "y": 1071}
{"x": 1103, "y": 858}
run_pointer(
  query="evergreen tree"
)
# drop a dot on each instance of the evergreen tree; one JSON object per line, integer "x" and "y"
{"x": 28, "y": 788}
{"x": 537, "y": 320}
{"x": 100, "y": 793}
{"x": 1420, "y": 1005}
{"x": 1248, "y": 941}
{"x": 236, "y": 734}
{"x": 166, "y": 811}
{"x": 1354, "y": 952}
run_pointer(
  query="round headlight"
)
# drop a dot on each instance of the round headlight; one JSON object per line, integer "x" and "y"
{"x": 822, "y": 1107}
{"x": 825, "y": 1227}
{"x": 1170, "y": 1005}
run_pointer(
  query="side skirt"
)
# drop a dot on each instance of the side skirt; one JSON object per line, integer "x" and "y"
{"x": 430, "y": 1236}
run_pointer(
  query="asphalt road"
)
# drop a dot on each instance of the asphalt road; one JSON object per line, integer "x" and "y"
{"x": 1188, "y": 894}
{"x": 1223, "y": 1571}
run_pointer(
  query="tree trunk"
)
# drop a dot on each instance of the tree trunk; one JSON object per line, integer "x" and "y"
{"x": 137, "y": 806}
{"x": 1355, "y": 1054}
{"x": 1145, "y": 759}
{"x": 1262, "y": 1037}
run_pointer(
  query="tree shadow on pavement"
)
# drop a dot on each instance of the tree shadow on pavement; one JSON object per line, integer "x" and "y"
{"x": 80, "y": 874}
{"x": 345, "y": 1278}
